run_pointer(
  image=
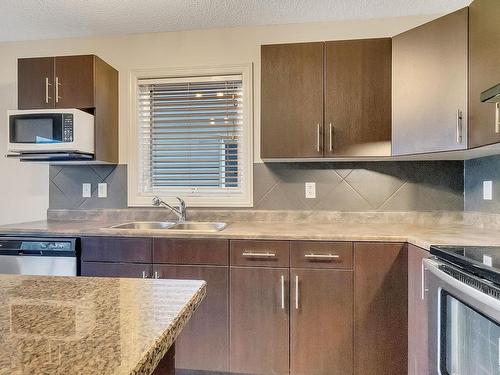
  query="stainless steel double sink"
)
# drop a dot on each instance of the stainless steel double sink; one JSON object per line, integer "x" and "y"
{"x": 186, "y": 226}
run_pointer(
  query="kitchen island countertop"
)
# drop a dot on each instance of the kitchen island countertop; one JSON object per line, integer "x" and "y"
{"x": 84, "y": 325}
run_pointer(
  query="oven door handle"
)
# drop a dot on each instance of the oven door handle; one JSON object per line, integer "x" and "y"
{"x": 432, "y": 266}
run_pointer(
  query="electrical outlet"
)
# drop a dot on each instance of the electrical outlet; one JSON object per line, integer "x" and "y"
{"x": 86, "y": 190}
{"x": 310, "y": 190}
{"x": 102, "y": 190}
{"x": 487, "y": 190}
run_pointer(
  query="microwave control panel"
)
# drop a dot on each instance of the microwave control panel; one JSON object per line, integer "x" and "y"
{"x": 67, "y": 127}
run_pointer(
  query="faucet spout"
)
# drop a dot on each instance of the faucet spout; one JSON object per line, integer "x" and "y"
{"x": 180, "y": 212}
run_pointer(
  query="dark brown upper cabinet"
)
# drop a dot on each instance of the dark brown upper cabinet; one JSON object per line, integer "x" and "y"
{"x": 57, "y": 82}
{"x": 358, "y": 98}
{"x": 430, "y": 86}
{"x": 85, "y": 82}
{"x": 35, "y": 83}
{"x": 292, "y": 100}
{"x": 484, "y": 70}
{"x": 74, "y": 81}
{"x": 326, "y": 99}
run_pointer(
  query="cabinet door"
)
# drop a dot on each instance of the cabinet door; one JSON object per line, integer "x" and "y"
{"x": 380, "y": 309}
{"x": 417, "y": 313}
{"x": 74, "y": 81}
{"x": 99, "y": 269}
{"x": 430, "y": 72}
{"x": 203, "y": 344}
{"x": 292, "y": 100}
{"x": 259, "y": 323}
{"x": 358, "y": 98}
{"x": 321, "y": 326}
{"x": 484, "y": 70}
{"x": 35, "y": 83}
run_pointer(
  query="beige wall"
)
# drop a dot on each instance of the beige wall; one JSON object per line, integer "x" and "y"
{"x": 24, "y": 188}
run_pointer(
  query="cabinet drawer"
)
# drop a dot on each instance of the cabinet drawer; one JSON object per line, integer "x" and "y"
{"x": 108, "y": 269}
{"x": 260, "y": 253}
{"x": 190, "y": 251}
{"x": 116, "y": 249}
{"x": 312, "y": 254}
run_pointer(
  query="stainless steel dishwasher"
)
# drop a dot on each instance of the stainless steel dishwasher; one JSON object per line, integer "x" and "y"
{"x": 38, "y": 256}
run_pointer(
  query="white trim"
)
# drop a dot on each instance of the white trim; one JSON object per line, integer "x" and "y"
{"x": 138, "y": 199}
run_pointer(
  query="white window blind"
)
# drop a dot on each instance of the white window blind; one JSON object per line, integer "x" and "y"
{"x": 190, "y": 135}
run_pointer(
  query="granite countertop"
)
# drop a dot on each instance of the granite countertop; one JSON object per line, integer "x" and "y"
{"x": 421, "y": 235}
{"x": 69, "y": 325}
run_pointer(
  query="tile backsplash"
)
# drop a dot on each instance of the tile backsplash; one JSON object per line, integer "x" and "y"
{"x": 65, "y": 189}
{"x": 359, "y": 186}
{"x": 475, "y": 172}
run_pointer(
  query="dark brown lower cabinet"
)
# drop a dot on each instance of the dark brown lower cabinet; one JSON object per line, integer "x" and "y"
{"x": 380, "y": 309}
{"x": 204, "y": 342}
{"x": 418, "y": 362}
{"x": 259, "y": 321}
{"x": 105, "y": 269}
{"x": 117, "y": 249}
{"x": 321, "y": 325}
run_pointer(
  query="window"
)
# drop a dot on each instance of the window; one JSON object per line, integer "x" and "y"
{"x": 192, "y": 138}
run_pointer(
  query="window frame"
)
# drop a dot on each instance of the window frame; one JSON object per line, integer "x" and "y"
{"x": 136, "y": 198}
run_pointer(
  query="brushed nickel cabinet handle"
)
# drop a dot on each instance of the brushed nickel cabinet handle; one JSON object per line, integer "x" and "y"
{"x": 282, "y": 292}
{"x": 321, "y": 256}
{"x": 331, "y": 138}
{"x": 57, "y": 90}
{"x": 47, "y": 84}
{"x": 318, "y": 138}
{"x": 459, "y": 126}
{"x": 264, "y": 254}
{"x": 296, "y": 292}
{"x": 423, "y": 290}
{"x": 144, "y": 275}
{"x": 497, "y": 117}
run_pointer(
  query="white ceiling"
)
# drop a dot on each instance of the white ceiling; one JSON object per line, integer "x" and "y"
{"x": 42, "y": 19}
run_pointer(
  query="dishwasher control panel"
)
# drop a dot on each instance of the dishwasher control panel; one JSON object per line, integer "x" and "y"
{"x": 38, "y": 246}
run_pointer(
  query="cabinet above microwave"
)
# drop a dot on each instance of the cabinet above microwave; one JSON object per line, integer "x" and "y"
{"x": 83, "y": 82}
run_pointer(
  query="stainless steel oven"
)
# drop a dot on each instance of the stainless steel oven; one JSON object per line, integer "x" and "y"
{"x": 464, "y": 320}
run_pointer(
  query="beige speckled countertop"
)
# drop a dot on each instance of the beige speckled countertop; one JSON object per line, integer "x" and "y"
{"x": 65, "y": 325}
{"x": 418, "y": 234}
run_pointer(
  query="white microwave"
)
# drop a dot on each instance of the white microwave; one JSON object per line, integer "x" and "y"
{"x": 50, "y": 134}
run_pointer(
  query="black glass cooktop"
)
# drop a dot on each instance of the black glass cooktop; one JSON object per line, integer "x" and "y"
{"x": 483, "y": 261}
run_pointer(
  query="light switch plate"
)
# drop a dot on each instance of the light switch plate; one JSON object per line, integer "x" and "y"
{"x": 487, "y": 190}
{"x": 102, "y": 190}
{"x": 86, "y": 190}
{"x": 310, "y": 190}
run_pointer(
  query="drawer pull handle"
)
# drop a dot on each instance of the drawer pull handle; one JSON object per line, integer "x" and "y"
{"x": 296, "y": 292}
{"x": 321, "y": 256}
{"x": 266, "y": 254}
{"x": 282, "y": 292}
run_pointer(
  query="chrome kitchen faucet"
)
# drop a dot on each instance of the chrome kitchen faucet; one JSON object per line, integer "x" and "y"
{"x": 180, "y": 212}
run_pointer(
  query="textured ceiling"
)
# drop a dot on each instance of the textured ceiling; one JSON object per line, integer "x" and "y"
{"x": 41, "y": 19}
